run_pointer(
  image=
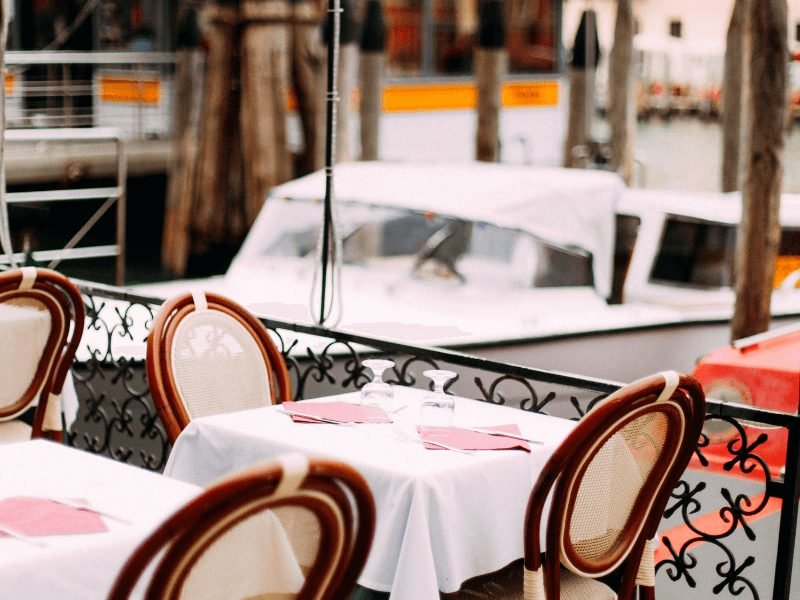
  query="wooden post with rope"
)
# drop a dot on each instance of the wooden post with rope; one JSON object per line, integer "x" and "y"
{"x": 183, "y": 154}
{"x": 759, "y": 231}
{"x": 373, "y": 46}
{"x": 218, "y": 122}
{"x": 265, "y": 82}
{"x": 491, "y": 64}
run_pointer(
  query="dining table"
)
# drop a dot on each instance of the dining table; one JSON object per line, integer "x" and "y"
{"x": 69, "y": 519}
{"x": 442, "y": 517}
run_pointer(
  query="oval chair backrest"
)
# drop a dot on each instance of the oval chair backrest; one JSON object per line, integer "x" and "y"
{"x": 217, "y": 364}
{"x": 42, "y": 317}
{"x": 207, "y": 355}
{"x": 609, "y": 489}
{"x": 611, "y": 479}
{"x": 235, "y": 540}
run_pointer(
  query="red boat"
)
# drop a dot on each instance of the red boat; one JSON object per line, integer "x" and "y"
{"x": 762, "y": 370}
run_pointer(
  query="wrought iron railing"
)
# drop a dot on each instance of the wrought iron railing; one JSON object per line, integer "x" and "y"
{"x": 728, "y": 532}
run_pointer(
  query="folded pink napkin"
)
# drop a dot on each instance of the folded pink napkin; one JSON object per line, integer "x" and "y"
{"x": 464, "y": 439}
{"x": 40, "y": 516}
{"x": 336, "y": 411}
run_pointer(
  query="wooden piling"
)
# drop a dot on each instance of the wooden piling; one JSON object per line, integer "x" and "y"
{"x": 373, "y": 45}
{"x": 491, "y": 64}
{"x": 585, "y": 55}
{"x": 620, "y": 113}
{"x": 307, "y": 58}
{"x": 264, "y": 78}
{"x": 732, "y": 92}
{"x": 189, "y": 63}
{"x": 759, "y": 231}
{"x": 218, "y": 118}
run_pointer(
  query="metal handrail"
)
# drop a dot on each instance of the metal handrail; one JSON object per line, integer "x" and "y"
{"x": 89, "y": 58}
{"x": 110, "y": 195}
{"x": 123, "y": 425}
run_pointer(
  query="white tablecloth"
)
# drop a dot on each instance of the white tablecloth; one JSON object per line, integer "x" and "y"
{"x": 80, "y": 566}
{"x": 442, "y": 517}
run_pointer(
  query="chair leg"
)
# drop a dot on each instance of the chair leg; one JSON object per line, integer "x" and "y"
{"x": 647, "y": 592}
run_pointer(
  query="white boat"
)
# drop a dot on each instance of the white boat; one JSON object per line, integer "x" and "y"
{"x": 509, "y": 262}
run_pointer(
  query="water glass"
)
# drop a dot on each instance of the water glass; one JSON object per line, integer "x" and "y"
{"x": 377, "y": 392}
{"x": 437, "y": 409}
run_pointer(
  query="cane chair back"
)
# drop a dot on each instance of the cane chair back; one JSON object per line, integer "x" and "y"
{"x": 610, "y": 480}
{"x": 237, "y": 540}
{"x": 207, "y": 355}
{"x": 41, "y": 323}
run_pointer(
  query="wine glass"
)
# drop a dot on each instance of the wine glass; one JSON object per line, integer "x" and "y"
{"x": 437, "y": 408}
{"x": 377, "y": 392}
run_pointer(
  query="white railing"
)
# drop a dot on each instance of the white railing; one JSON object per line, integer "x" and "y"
{"x": 128, "y": 90}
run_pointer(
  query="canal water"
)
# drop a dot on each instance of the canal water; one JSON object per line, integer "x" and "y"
{"x": 686, "y": 154}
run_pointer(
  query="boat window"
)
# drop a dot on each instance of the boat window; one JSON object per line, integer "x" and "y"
{"x": 695, "y": 253}
{"x": 788, "y": 259}
{"x": 702, "y": 254}
{"x": 425, "y": 245}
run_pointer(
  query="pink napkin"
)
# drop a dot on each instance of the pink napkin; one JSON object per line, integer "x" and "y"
{"x": 40, "y": 516}
{"x": 338, "y": 411}
{"x": 464, "y": 439}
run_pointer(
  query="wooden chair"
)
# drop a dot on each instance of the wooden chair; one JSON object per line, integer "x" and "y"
{"x": 41, "y": 324}
{"x": 207, "y": 355}
{"x": 610, "y": 482}
{"x": 217, "y": 544}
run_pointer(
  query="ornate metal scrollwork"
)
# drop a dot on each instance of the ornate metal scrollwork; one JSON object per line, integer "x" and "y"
{"x": 732, "y": 513}
{"x": 116, "y": 417}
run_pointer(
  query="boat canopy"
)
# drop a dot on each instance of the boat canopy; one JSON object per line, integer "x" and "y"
{"x": 568, "y": 208}
{"x": 710, "y": 206}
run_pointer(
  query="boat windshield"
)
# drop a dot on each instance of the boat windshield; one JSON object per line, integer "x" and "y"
{"x": 425, "y": 244}
{"x": 701, "y": 254}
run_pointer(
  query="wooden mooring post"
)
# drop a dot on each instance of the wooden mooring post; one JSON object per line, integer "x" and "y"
{"x": 585, "y": 55}
{"x": 620, "y": 97}
{"x": 218, "y": 122}
{"x": 759, "y": 231}
{"x": 491, "y": 64}
{"x": 373, "y": 46}
{"x": 264, "y": 77}
{"x": 307, "y": 58}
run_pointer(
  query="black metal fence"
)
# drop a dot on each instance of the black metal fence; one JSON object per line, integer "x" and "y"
{"x": 728, "y": 532}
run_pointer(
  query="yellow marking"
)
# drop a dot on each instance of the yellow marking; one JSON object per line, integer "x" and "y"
{"x": 783, "y": 266}
{"x": 536, "y": 93}
{"x": 129, "y": 89}
{"x": 463, "y": 96}
{"x": 9, "y": 83}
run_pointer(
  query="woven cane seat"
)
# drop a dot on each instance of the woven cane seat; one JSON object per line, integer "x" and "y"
{"x": 208, "y": 355}
{"x": 508, "y": 585}
{"x": 217, "y": 365}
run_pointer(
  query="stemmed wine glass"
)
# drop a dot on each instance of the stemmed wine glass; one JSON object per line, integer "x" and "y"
{"x": 437, "y": 407}
{"x": 377, "y": 392}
